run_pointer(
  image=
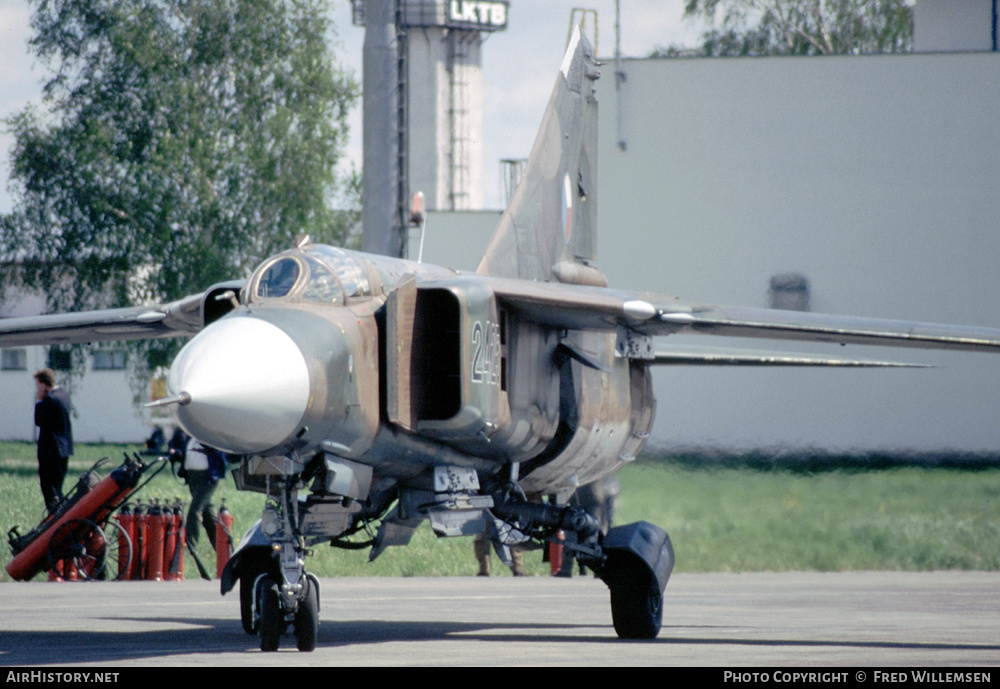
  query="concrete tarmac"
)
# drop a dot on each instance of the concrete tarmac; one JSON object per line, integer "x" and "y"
{"x": 850, "y": 619}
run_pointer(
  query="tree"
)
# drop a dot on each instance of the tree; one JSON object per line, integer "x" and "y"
{"x": 184, "y": 141}
{"x": 800, "y": 27}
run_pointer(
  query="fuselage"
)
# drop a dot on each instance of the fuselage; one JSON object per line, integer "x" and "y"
{"x": 403, "y": 366}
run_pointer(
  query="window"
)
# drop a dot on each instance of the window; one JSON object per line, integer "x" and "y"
{"x": 109, "y": 360}
{"x": 60, "y": 359}
{"x": 789, "y": 291}
{"x": 14, "y": 360}
{"x": 348, "y": 269}
{"x": 278, "y": 279}
{"x": 323, "y": 285}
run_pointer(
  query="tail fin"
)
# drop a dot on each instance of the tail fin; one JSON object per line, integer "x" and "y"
{"x": 549, "y": 230}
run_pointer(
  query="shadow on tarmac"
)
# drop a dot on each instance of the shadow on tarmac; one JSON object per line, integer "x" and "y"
{"x": 217, "y": 636}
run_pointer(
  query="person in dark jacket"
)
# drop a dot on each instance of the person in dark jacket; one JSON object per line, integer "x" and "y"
{"x": 55, "y": 435}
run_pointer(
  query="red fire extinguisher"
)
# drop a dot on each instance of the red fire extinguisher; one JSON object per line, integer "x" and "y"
{"x": 126, "y": 541}
{"x": 156, "y": 532}
{"x": 139, "y": 566}
{"x": 555, "y": 554}
{"x": 223, "y": 538}
{"x": 97, "y": 504}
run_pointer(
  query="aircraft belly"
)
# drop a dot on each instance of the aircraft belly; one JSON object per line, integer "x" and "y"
{"x": 405, "y": 456}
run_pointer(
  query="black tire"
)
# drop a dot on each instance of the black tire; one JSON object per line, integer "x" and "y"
{"x": 637, "y": 610}
{"x": 250, "y": 621}
{"x": 636, "y": 602}
{"x": 307, "y": 618}
{"x": 272, "y": 618}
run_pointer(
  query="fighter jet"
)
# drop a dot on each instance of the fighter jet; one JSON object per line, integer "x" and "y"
{"x": 363, "y": 390}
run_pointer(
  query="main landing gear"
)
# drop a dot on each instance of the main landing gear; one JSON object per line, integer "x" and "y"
{"x": 634, "y": 560}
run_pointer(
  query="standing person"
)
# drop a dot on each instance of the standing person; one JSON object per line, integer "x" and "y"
{"x": 203, "y": 467}
{"x": 55, "y": 435}
{"x": 481, "y": 545}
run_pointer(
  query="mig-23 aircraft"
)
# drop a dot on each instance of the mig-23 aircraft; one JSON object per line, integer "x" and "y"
{"x": 362, "y": 389}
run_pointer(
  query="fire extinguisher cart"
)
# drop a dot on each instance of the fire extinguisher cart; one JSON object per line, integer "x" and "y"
{"x": 77, "y": 540}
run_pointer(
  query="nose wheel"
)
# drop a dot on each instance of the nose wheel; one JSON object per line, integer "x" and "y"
{"x": 275, "y": 617}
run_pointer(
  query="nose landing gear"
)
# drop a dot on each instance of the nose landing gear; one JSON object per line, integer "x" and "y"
{"x": 276, "y": 593}
{"x": 268, "y": 611}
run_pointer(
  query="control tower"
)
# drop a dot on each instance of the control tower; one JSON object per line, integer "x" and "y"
{"x": 422, "y": 101}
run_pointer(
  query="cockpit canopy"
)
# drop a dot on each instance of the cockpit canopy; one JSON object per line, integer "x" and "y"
{"x": 313, "y": 273}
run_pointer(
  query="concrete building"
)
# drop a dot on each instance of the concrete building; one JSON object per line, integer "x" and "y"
{"x": 955, "y": 25}
{"x": 103, "y": 400}
{"x": 873, "y": 177}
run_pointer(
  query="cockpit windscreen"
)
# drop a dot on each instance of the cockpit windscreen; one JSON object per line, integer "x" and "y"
{"x": 315, "y": 273}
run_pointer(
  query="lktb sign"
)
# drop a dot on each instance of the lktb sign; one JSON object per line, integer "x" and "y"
{"x": 482, "y": 15}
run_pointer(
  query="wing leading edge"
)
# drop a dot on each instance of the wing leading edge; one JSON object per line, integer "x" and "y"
{"x": 135, "y": 323}
{"x": 579, "y": 307}
{"x": 176, "y": 319}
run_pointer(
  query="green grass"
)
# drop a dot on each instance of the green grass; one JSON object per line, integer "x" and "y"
{"x": 739, "y": 519}
{"x": 721, "y": 518}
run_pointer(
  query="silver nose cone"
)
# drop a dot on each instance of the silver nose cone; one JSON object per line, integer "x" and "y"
{"x": 248, "y": 385}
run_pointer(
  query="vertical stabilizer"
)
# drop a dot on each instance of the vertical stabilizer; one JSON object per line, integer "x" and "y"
{"x": 549, "y": 230}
